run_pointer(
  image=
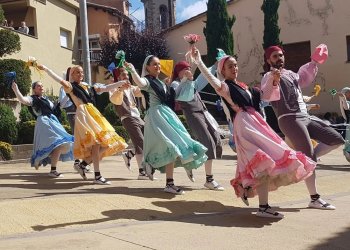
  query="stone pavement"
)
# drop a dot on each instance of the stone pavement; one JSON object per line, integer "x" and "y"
{"x": 38, "y": 212}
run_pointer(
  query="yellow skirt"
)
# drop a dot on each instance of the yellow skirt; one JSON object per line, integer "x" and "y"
{"x": 92, "y": 128}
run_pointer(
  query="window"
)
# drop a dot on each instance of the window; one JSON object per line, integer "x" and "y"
{"x": 348, "y": 47}
{"x": 94, "y": 44}
{"x": 163, "y": 10}
{"x": 296, "y": 54}
{"x": 65, "y": 38}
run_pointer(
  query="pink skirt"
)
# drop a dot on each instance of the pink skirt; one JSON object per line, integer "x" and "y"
{"x": 263, "y": 156}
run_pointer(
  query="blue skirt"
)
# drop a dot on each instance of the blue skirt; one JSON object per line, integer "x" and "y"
{"x": 166, "y": 140}
{"x": 48, "y": 135}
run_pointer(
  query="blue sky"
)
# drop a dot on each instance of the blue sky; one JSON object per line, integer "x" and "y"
{"x": 185, "y": 9}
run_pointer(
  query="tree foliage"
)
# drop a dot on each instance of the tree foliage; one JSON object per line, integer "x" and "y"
{"x": 217, "y": 30}
{"x": 8, "y": 128}
{"x": 9, "y": 42}
{"x": 271, "y": 29}
{"x": 25, "y": 115}
{"x": 137, "y": 47}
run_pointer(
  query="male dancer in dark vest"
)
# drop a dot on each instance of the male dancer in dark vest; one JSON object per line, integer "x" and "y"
{"x": 194, "y": 111}
{"x": 282, "y": 88}
{"x": 130, "y": 117}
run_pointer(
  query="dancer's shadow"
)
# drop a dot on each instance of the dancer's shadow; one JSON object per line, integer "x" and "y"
{"x": 47, "y": 186}
{"x": 229, "y": 157}
{"x": 208, "y": 213}
{"x": 345, "y": 168}
{"x": 340, "y": 240}
{"x": 43, "y": 181}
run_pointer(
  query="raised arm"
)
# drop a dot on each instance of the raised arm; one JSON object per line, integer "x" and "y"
{"x": 343, "y": 103}
{"x": 141, "y": 82}
{"x": 214, "y": 82}
{"x": 307, "y": 74}
{"x": 101, "y": 88}
{"x": 26, "y": 100}
{"x": 270, "y": 88}
{"x": 201, "y": 81}
{"x": 56, "y": 77}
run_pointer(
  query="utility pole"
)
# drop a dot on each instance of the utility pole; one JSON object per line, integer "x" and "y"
{"x": 85, "y": 41}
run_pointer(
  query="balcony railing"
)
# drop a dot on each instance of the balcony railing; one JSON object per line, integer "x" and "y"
{"x": 95, "y": 55}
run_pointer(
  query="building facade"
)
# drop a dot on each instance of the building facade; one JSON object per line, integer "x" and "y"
{"x": 106, "y": 20}
{"x": 159, "y": 14}
{"x": 304, "y": 25}
{"x": 52, "y": 37}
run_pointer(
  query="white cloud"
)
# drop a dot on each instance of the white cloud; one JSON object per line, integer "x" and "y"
{"x": 192, "y": 10}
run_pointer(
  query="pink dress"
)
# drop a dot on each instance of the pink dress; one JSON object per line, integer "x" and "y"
{"x": 261, "y": 154}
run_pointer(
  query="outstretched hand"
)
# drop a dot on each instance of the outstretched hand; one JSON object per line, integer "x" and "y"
{"x": 340, "y": 94}
{"x": 195, "y": 53}
{"x": 14, "y": 85}
{"x": 129, "y": 66}
{"x": 276, "y": 74}
{"x": 41, "y": 66}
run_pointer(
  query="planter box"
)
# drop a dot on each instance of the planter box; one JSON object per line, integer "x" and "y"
{"x": 20, "y": 153}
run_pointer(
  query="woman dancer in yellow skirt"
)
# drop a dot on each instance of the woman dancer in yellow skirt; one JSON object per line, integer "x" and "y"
{"x": 94, "y": 137}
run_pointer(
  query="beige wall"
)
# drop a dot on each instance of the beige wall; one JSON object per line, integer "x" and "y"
{"x": 118, "y": 4}
{"x": 103, "y": 23}
{"x": 313, "y": 21}
{"x": 46, "y": 46}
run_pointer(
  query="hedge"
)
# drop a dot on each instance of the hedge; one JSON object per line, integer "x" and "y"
{"x": 23, "y": 77}
{"x": 25, "y": 115}
{"x": 8, "y": 128}
{"x": 5, "y": 151}
{"x": 26, "y": 132}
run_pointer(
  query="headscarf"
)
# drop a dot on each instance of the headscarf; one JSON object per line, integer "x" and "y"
{"x": 345, "y": 90}
{"x": 178, "y": 67}
{"x": 221, "y": 63}
{"x": 144, "y": 69}
{"x": 270, "y": 50}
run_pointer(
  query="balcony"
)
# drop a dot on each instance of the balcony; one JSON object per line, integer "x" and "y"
{"x": 95, "y": 55}
{"x": 18, "y": 11}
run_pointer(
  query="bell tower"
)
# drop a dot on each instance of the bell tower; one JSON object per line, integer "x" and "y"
{"x": 159, "y": 14}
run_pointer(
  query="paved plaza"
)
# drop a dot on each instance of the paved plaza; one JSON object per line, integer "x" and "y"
{"x": 38, "y": 212}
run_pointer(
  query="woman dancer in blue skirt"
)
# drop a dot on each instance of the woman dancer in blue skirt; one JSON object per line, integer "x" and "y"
{"x": 51, "y": 141}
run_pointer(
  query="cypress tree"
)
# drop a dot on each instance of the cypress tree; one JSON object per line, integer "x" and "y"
{"x": 271, "y": 29}
{"x": 217, "y": 30}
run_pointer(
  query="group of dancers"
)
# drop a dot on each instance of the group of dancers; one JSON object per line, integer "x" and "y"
{"x": 264, "y": 161}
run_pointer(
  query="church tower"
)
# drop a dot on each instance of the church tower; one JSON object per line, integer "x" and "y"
{"x": 159, "y": 14}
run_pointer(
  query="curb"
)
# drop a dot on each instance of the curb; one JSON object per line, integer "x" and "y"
{"x": 224, "y": 142}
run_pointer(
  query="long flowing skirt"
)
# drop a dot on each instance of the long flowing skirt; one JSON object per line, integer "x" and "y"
{"x": 92, "y": 128}
{"x": 166, "y": 140}
{"x": 48, "y": 135}
{"x": 263, "y": 156}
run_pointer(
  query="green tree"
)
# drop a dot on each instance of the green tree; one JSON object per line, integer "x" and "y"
{"x": 217, "y": 30}
{"x": 9, "y": 42}
{"x": 137, "y": 46}
{"x": 25, "y": 115}
{"x": 8, "y": 128}
{"x": 271, "y": 29}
